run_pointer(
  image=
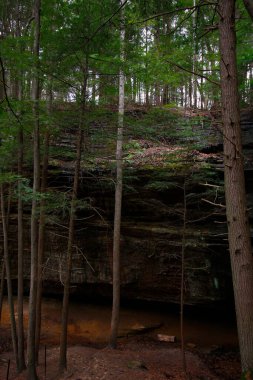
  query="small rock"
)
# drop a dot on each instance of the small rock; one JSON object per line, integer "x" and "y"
{"x": 136, "y": 364}
{"x": 166, "y": 338}
{"x": 191, "y": 345}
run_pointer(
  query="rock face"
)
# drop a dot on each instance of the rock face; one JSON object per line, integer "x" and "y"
{"x": 152, "y": 235}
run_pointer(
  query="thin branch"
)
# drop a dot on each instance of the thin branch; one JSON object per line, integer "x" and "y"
{"x": 180, "y": 23}
{"x": 212, "y": 203}
{"x": 174, "y": 11}
{"x": 81, "y": 252}
{"x": 58, "y": 78}
{"x": 214, "y": 124}
{"x": 200, "y": 219}
{"x": 55, "y": 234}
{"x": 57, "y": 224}
{"x": 5, "y": 92}
{"x": 210, "y": 185}
{"x": 193, "y": 72}
{"x": 28, "y": 24}
{"x": 107, "y": 21}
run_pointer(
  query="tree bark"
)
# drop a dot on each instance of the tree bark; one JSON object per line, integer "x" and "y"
{"x": 8, "y": 277}
{"x": 31, "y": 346}
{"x": 236, "y": 207}
{"x": 118, "y": 197}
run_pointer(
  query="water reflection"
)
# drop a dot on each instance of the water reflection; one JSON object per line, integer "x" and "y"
{"x": 91, "y": 324}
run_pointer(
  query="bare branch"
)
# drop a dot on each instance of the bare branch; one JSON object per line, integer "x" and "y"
{"x": 85, "y": 258}
{"x": 193, "y": 72}
{"x": 212, "y": 203}
{"x": 28, "y": 24}
{"x": 5, "y": 92}
{"x": 210, "y": 185}
{"x": 107, "y": 21}
{"x": 194, "y": 8}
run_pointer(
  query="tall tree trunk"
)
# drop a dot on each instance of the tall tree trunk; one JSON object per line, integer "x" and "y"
{"x": 42, "y": 225}
{"x": 31, "y": 349}
{"x": 21, "y": 356}
{"x": 118, "y": 196}
{"x": 237, "y": 216}
{"x": 8, "y": 277}
{"x": 41, "y": 243}
{"x": 20, "y": 298}
{"x": 65, "y": 304}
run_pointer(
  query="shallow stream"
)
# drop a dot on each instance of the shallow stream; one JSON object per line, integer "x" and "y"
{"x": 89, "y": 323}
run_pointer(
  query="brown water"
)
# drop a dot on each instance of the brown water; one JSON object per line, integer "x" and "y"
{"x": 91, "y": 324}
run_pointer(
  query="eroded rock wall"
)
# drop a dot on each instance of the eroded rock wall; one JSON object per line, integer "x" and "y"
{"x": 152, "y": 227}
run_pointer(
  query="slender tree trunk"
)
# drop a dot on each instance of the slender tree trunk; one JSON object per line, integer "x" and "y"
{"x": 21, "y": 356}
{"x": 194, "y": 64}
{"x": 182, "y": 291}
{"x": 118, "y": 198}
{"x": 146, "y": 68}
{"x": 157, "y": 95}
{"x": 190, "y": 93}
{"x": 250, "y": 92}
{"x": 8, "y": 277}
{"x": 2, "y": 95}
{"x": 165, "y": 94}
{"x": 42, "y": 226}
{"x": 20, "y": 298}
{"x": 65, "y": 304}
{"x": 2, "y": 288}
{"x": 237, "y": 216}
{"x": 94, "y": 87}
{"x": 3, "y": 272}
{"x": 41, "y": 243}
{"x": 31, "y": 347}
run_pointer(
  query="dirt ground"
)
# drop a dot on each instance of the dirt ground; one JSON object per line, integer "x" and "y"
{"x": 136, "y": 358}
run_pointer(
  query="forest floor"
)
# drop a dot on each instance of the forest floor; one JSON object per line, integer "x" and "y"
{"x": 136, "y": 358}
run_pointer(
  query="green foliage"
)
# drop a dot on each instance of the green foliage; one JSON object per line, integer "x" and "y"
{"x": 247, "y": 375}
{"x": 8, "y": 177}
{"x": 161, "y": 186}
